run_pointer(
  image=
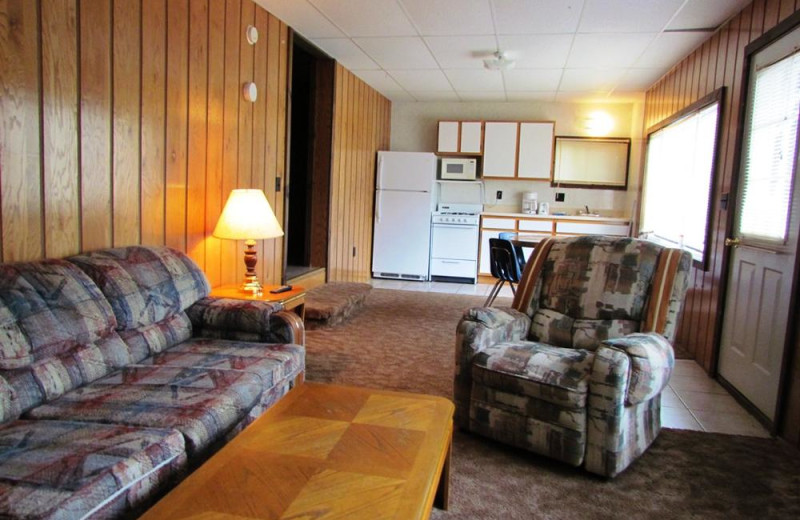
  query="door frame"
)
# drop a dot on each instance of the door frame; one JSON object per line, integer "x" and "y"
{"x": 728, "y": 201}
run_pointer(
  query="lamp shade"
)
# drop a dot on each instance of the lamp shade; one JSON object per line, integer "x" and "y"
{"x": 247, "y": 215}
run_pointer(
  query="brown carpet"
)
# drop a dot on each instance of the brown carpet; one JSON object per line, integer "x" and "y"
{"x": 405, "y": 340}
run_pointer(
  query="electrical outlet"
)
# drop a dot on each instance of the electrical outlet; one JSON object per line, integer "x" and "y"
{"x": 560, "y": 196}
{"x": 499, "y": 195}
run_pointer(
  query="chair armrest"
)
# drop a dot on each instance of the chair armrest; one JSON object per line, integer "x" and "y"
{"x": 651, "y": 360}
{"x": 245, "y": 320}
{"x": 479, "y": 328}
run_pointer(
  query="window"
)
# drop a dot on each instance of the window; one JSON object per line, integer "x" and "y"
{"x": 679, "y": 173}
{"x": 769, "y": 151}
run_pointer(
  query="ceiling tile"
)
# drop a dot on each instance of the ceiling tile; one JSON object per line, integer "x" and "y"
{"x": 367, "y": 17}
{"x": 537, "y": 50}
{"x": 436, "y": 95}
{"x": 461, "y": 52}
{"x": 531, "y": 96}
{"x": 477, "y": 95}
{"x": 347, "y": 53}
{"x": 669, "y": 48}
{"x": 627, "y": 15}
{"x": 466, "y": 80}
{"x": 398, "y": 53}
{"x": 429, "y": 80}
{"x": 638, "y": 80}
{"x": 704, "y": 14}
{"x": 607, "y": 50}
{"x": 537, "y": 16}
{"x": 302, "y": 17}
{"x": 450, "y": 17}
{"x": 532, "y": 79}
{"x": 379, "y": 80}
{"x": 590, "y": 80}
{"x": 398, "y": 96}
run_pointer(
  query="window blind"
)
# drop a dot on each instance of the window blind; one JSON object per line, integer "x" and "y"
{"x": 770, "y": 152}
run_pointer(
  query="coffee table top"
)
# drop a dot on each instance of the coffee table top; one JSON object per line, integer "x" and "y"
{"x": 324, "y": 451}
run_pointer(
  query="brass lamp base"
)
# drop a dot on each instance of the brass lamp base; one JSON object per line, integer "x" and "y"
{"x": 251, "y": 283}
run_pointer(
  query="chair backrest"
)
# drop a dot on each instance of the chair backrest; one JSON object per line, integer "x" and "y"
{"x": 580, "y": 291}
{"x": 520, "y": 254}
{"x": 504, "y": 262}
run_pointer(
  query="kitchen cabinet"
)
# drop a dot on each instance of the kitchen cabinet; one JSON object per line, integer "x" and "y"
{"x": 500, "y": 149}
{"x": 460, "y": 137}
{"x": 535, "y": 150}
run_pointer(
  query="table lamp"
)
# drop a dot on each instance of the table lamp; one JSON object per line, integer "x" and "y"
{"x": 248, "y": 216}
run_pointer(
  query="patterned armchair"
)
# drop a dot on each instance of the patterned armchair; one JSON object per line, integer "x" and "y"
{"x": 575, "y": 368}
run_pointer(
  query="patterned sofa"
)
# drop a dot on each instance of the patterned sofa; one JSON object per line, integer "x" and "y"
{"x": 575, "y": 369}
{"x": 118, "y": 375}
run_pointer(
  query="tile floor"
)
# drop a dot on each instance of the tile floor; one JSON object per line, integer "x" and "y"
{"x": 692, "y": 401}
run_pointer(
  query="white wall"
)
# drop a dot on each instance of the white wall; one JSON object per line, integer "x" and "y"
{"x": 414, "y": 128}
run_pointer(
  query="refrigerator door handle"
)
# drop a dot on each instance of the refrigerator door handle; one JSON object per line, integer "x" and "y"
{"x": 380, "y": 172}
{"x": 379, "y": 209}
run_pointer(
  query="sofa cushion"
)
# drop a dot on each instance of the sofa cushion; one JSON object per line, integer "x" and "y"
{"x": 144, "y": 285}
{"x": 556, "y": 375}
{"x": 272, "y": 363}
{"x": 59, "y": 469}
{"x": 552, "y": 327}
{"x": 203, "y": 404}
{"x": 48, "y": 308}
{"x": 599, "y": 277}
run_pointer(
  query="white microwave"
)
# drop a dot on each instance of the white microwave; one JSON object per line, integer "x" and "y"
{"x": 458, "y": 169}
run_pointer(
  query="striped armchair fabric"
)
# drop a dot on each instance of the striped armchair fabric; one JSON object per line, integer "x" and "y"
{"x": 575, "y": 368}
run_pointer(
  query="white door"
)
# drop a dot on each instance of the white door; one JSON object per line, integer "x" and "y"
{"x": 406, "y": 171}
{"x": 764, "y": 245}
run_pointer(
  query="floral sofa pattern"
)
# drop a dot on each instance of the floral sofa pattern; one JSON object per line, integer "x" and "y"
{"x": 118, "y": 375}
{"x": 575, "y": 368}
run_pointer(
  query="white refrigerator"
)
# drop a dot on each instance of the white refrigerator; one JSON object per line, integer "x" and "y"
{"x": 403, "y": 206}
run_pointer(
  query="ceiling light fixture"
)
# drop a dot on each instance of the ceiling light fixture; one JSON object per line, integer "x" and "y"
{"x": 499, "y": 62}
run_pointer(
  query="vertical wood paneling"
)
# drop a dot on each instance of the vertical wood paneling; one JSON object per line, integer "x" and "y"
{"x": 177, "y": 121}
{"x": 197, "y": 133}
{"x": 60, "y": 127}
{"x": 154, "y": 91}
{"x": 126, "y": 116}
{"x": 21, "y": 222}
{"x": 360, "y": 128}
{"x": 280, "y": 145}
{"x": 720, "y": 62}
{"x": 95, "y": 113}
{"x": 128, "y": 128}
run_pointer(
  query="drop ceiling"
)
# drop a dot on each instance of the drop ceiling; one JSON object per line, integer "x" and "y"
{"x": 564, "y": 50}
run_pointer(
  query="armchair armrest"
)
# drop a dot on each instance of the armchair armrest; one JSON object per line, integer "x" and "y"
{"x": 246, "y": 320}
{"x": 651, "y": 362}
{"x": 480, "y": 327}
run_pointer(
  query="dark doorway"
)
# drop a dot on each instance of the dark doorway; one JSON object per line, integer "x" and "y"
{"x": 308, "y": 186}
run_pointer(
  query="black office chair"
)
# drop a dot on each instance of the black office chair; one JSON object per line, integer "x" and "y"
{"x": 505, "y": 267}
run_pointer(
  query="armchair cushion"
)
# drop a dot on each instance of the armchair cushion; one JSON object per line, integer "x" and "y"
{"x": 651, "y": 362}
{"x": 560, "y": 330}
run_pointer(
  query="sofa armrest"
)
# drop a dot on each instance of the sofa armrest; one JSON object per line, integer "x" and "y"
{"x": 479, "y": 328}
{"x": 651, "y": 360}
{"x": 245, "y": 320}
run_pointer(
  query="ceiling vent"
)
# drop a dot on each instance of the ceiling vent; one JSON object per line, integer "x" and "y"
{"x": 499, "y": 62}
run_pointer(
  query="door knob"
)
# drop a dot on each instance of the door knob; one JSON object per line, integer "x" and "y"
{"x": 732, "y": 242}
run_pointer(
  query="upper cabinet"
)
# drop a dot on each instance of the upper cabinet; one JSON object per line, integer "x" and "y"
{"x": 457, "y": 137}
{"x": 500, "y": 149}
{"x": 535, "y": 150}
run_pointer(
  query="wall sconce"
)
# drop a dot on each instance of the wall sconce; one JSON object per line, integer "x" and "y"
{"x": 250, "y": 91}
{"x": 599, "y": 123}
{"x": 251, "y": 33}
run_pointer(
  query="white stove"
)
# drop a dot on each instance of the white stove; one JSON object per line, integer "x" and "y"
{"x": 454, "y": 243}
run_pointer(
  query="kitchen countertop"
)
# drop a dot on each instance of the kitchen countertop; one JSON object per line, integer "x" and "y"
{"x": 554, "y": 217}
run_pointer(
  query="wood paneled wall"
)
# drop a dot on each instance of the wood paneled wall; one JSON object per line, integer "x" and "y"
{"x": 719, "y": 62}
{"x": 361, "y": 127}
{"x": 124, "y": 123}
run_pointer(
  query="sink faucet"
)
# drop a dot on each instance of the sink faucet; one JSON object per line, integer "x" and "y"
{"x": 587, "y": 209}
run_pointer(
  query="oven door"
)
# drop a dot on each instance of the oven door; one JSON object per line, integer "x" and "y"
{"x": 455, "y": 241}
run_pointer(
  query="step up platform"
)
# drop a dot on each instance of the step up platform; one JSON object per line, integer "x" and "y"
{"x": 334, "y": 303}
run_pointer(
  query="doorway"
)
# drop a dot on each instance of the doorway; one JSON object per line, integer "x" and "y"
{"x": 308, "y": 184}
{"x": 763, "y": 258}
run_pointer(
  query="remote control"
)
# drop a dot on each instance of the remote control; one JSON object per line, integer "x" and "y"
{"x": 285, "y": 288}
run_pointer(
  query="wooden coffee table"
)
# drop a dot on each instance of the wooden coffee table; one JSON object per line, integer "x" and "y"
{"x": 327, "y": 451}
